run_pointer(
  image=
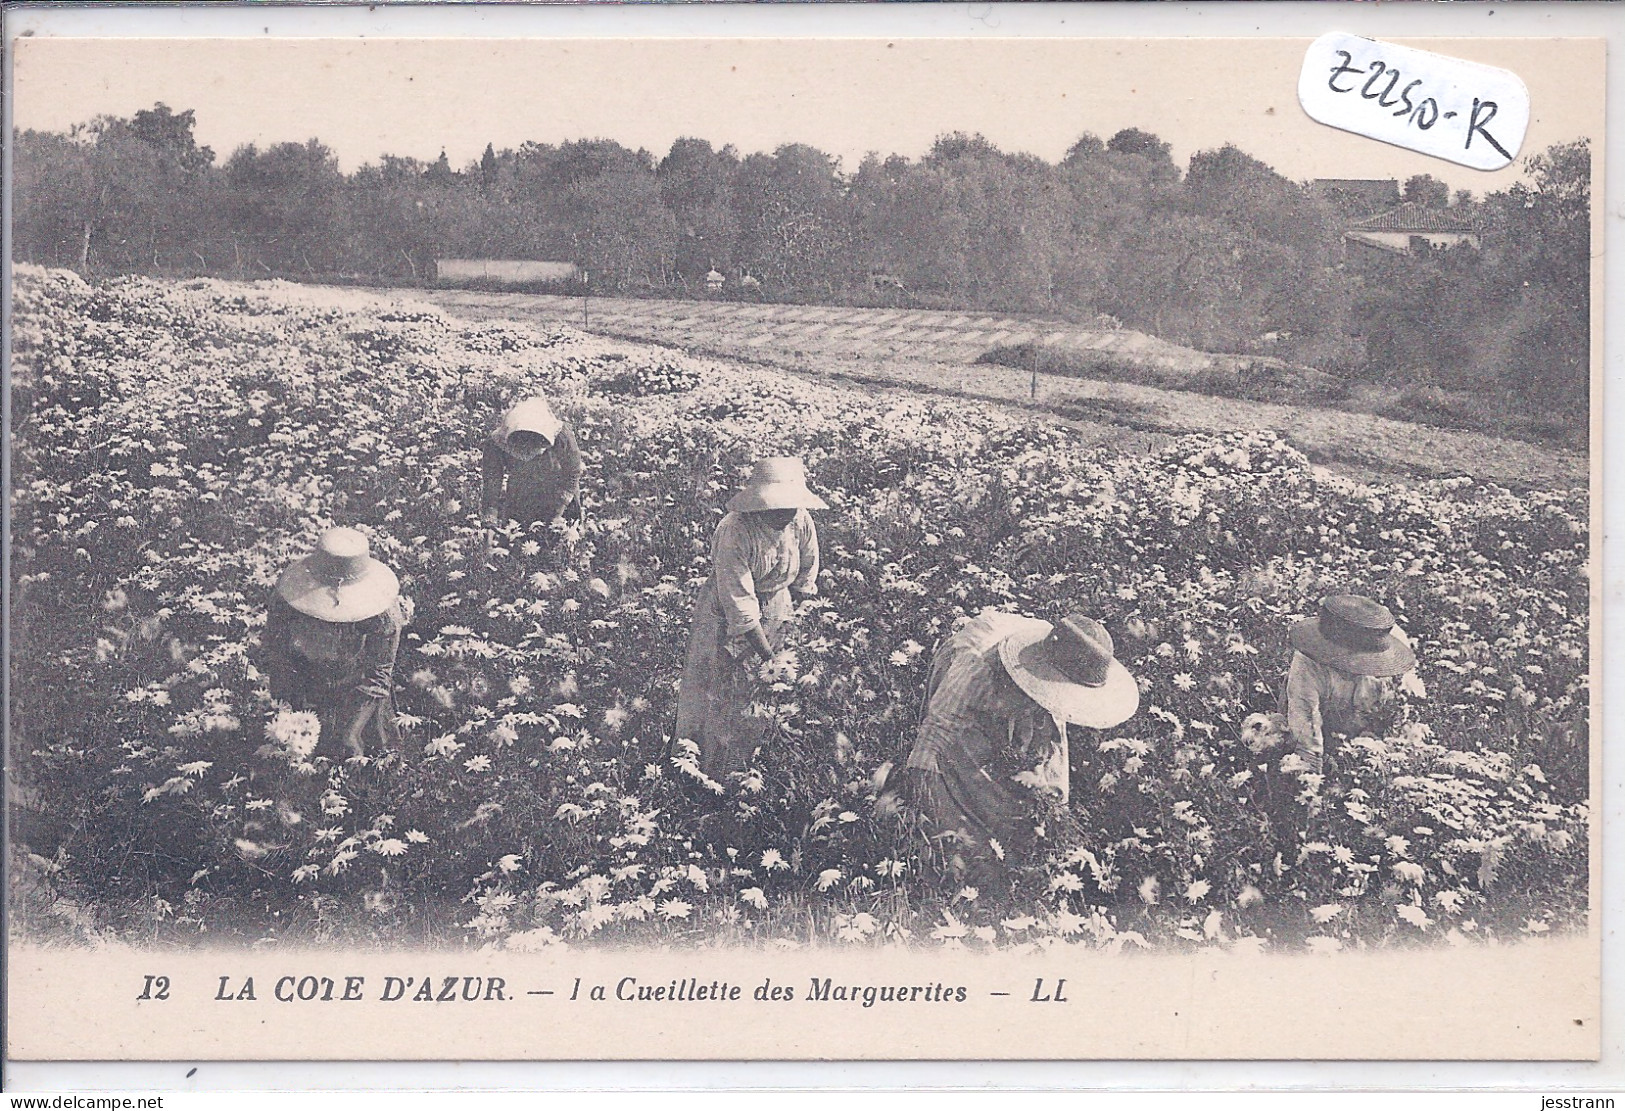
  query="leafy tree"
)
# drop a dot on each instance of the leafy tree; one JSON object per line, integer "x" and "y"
{"x": 1151, "y": 152}
{"x": 696, "y": 187}
{"x": 286, "y": 206}
{"x": 440, "y": 171}
{"x": 952, "y": 147}
{"x": 123, "y": 200}
{"x": 395, "y": 219}
{"x": 1285, "y": 238}
{"x": 172, "y": 133}
{"x": 793, "y": 226}
{"x": 1088, "y": 146}
{"x": 910, "y": 225}
{"x": 627, "y": 237}
{"x": 1131, "y": 140}
{"x": 53, "y": 195}
{"x": 586, "y": 159}
{"x": 1427, "y": 191}
{"x": 114, "y": 194}
{"x": 991, "y": 225}
{"x": 1106, "y": 197}
{"x": 1512, "y": 316}
{"x": 1016, "y": 229}
{"x": 1419, "y": 316}
{"x": 1193, "y": 279}
{"x": 180, "y": 225}
{"x": 1544, "y": 250}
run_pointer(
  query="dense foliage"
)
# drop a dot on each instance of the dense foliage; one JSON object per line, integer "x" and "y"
{"x": 1219, "y": 256}
{"x": 177, "y": 444}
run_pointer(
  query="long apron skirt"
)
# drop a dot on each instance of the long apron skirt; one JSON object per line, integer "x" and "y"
{"x": 714, "y": 700}
{"x": 966, "y": 810}
{"x": 535, "y": 491}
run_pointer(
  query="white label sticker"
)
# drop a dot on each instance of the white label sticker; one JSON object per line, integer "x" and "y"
{"x": 1469, "y": 113}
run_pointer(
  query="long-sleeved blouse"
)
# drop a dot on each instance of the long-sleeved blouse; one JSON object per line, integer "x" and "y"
{"x": 1320, "y": 699}
{"x": 753, "y": 570}
{"x": 537, "y": 488}
{"x": 750, "y": 562}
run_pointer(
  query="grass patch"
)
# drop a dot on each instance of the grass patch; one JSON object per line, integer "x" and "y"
{"x": 1244, "y": 379}
{"x": 1480, "y": 412}
{"x": 1275, "y": 382}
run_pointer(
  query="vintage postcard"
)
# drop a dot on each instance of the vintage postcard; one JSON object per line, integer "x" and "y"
{"x": 869, "y": 548}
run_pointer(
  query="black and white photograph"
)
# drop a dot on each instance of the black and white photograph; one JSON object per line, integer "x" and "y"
{"x": 889, "y": 533}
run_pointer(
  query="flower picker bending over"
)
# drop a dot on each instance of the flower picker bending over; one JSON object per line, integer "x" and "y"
{"x": 532, "y": 467}
{"x": 1343, "y": 666}
{"x": 1001, "y": 693}
{"x": 765, "y": 548}
{"x": 332, "y": 629}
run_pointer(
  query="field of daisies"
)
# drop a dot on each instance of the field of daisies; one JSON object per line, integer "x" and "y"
{"x": 176, "y": 444}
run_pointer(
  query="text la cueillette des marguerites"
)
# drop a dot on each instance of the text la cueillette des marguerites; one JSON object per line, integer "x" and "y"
{"x": 441, "y": 988}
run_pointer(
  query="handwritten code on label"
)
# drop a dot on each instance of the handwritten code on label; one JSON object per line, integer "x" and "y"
{"x": 1469, "y": 113}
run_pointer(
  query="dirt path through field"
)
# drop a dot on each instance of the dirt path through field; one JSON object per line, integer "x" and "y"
{"x": 1362, "y": 444}
{"x": 932, "y": 352}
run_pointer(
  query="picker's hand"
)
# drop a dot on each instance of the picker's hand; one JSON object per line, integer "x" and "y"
{"x": 781, "y": 668}
{"x": 749, "y": 649}
{"x": 757, "y": 641}
{"x": 808, "y": 604}
{"x": 1309, "y": 761}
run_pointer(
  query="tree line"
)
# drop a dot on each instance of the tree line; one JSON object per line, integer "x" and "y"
{"x": 1219, "y": 254}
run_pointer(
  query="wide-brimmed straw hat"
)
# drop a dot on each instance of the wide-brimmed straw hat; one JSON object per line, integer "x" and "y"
{"x": 1069, "y": 669}
{"x": 1355, "y": 635}
{"x": 339, "y": 581}
{"x": 778, "y": 482}
{"x": 533, "y": 414}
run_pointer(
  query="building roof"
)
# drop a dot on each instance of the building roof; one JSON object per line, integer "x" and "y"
{"x": 1412, "y": 217}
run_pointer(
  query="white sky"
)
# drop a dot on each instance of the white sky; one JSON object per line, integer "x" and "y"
{"x": 367, "y": 97}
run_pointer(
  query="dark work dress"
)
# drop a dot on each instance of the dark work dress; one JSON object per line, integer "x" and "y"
{"x": 534, "y": 490}
{"x": 344, "y": 673}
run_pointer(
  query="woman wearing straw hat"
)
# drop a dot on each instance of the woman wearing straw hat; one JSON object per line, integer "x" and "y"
{"x": 992, "y": 733}
{"x": 531, "y": 471}
{"x": 331, "y": 634}
{"x": 762, "y": 550}
{"x": 1343, "y": 664}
